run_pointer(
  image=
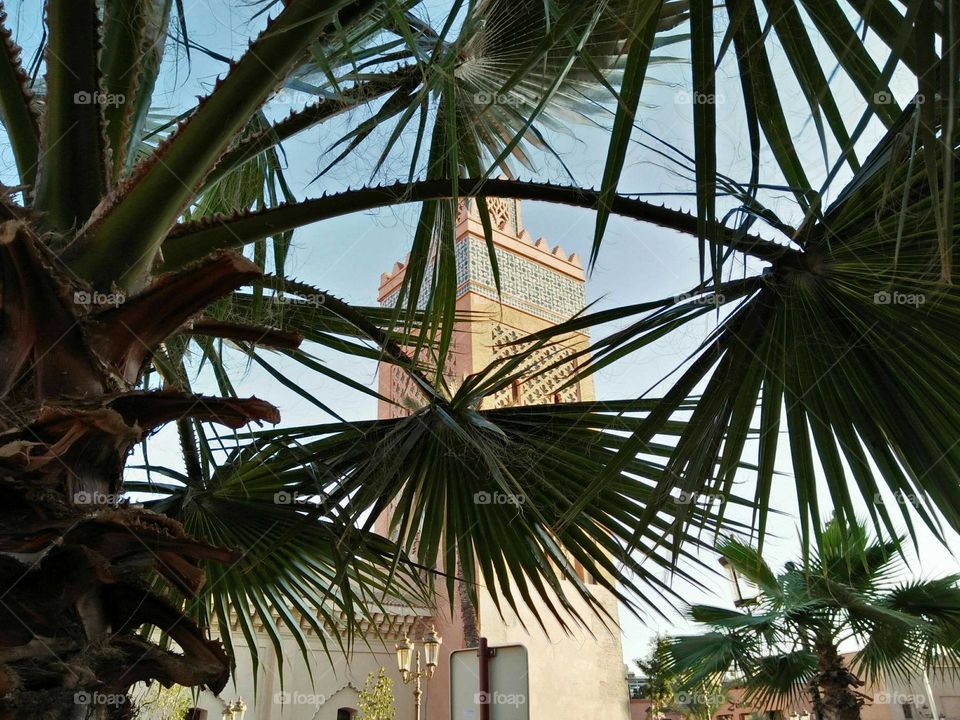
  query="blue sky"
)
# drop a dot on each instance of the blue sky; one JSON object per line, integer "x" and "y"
{"x": 345, "y": 256}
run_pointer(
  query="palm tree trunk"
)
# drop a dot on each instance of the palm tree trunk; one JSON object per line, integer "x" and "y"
{"x": 816, "y": 701}
{"x": 838, "y": 699}
{"x": 468, "y": 614}
{"x": 80, "y": 572}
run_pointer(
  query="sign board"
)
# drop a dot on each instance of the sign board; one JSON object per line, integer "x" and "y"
{"x": 509, "y": 696}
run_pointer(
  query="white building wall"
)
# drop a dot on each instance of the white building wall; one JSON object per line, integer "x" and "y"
{"x": 334, "y": 685}
{"x": 574, "y": 675}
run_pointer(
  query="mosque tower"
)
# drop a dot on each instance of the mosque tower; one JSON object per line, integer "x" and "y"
{"x": 570, "y": 676}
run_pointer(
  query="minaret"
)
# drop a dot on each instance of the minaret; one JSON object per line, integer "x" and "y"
{"x": 541, "y": 286}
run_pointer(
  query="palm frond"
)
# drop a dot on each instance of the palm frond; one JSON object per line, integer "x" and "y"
{"x": 515, "y": 478}
{"x": 842, "y": 345}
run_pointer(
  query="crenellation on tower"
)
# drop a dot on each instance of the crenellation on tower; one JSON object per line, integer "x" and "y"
{"x": 543, "y": 282}
{"x": 539, "y": 286}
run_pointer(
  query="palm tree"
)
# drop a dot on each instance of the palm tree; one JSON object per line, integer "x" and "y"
{"x": 788, "y": 644}
{"x": 122, "y": 256}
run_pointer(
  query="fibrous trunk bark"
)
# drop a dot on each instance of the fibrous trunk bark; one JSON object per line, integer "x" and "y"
{"x": 468, "y": 614}
{"x": 82, "y": 573}
{"x": 836, "y": 686}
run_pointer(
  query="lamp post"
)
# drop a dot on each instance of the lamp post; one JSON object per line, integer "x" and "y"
{"x": 407, "y": 652}
{"x": 239, "y": 709}
{"x": 734, "y": 577}
{"x": 235, "y": 710}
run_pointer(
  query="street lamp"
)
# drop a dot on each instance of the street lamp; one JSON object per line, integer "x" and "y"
{"x": 734, "y": 577}
{"x": 239, "y": 709}
{"x": 407, "y": 652}
{"x": 235, "y": 710}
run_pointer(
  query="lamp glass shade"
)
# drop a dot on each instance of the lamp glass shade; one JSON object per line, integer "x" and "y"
{"x": 431, "y": 648}
{"x": 404, "y": 653}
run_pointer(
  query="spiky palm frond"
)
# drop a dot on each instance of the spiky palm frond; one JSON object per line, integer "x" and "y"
{"x": 487, "y": 487}
{"x": 834, "y": 344}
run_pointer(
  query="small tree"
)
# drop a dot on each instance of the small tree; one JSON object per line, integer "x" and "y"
{"x": 376, "y": 701}
{"x": 155, "y": 702}
{"x": 659, "y": 676}
{"x": 700, "y": 700}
